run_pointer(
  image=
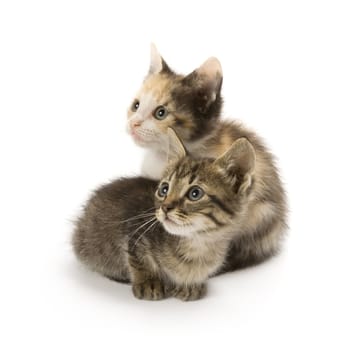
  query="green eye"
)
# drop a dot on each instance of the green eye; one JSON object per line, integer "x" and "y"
{"x": 195, "y": 193}
{"x": 160, "y": 113}
{"x": 135, "y": 105}
{"x": 163, "y": 189}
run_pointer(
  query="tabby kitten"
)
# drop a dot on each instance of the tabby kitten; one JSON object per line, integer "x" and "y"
{"x": 199, "y": 223}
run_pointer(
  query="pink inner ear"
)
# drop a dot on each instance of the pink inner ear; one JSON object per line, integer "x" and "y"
{"x": 156, "y": 61}
{"x": 211, "y": 68}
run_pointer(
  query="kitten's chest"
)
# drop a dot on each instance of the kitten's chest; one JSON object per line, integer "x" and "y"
{"x": 153, "y": 165}
{"x": 194, "y": 262}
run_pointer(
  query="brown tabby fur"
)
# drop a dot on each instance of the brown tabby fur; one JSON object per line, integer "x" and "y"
{"x": 170, "y": 246}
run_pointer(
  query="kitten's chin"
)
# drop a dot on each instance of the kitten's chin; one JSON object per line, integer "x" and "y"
{"x": 143, "y": 142}
{"x": 140, "y": 141}
{"x": 176, "y": 229}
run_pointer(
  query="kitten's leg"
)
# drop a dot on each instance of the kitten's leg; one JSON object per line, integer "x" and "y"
{"x": 145, "y": 284}
{"x": 191, "y": 292}
{"x": 151, "y": 289}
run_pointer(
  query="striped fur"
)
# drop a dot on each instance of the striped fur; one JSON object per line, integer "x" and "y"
{"x": 168, "y": 245}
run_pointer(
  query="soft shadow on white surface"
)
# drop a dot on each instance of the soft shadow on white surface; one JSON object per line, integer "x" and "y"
{"x": 100, "y": 286}
{"x": 265, "y": 277}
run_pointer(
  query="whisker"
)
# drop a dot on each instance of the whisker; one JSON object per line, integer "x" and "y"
{"x": 133, "y": 220}
{"x": 145, "y": 213}
{"x": 143, "y": 225}
{"x": 149, "y": 221}
{"x": 182, "y": 216}
{"x": 143, "y": 233}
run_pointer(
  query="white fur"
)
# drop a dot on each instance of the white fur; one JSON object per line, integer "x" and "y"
{"x": 147, "y": 105}
{"x": 185, "y": 230}
{"x": 189, "y": 228}
{"x": 153, "y": 164}
{"x": 146, "y": 134}
{"x": 155, "y": 160}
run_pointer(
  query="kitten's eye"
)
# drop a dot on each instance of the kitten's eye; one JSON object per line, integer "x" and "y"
{"x": 160, "y": 113}
{"x": 195, "y": 193}
{"x": 163, "y": 189}
{"x": 135, "y": 105}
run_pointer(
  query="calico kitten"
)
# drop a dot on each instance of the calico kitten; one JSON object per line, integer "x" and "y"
{"x": 199, "y": 223}
{"x": 189, "y": 104}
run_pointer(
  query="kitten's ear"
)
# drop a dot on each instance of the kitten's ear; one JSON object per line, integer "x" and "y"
{"x": 176, "y": 149}
{"x": 208, "y": 77}
{"x": 157, "y": 65}
{"x": 238, "y": 162}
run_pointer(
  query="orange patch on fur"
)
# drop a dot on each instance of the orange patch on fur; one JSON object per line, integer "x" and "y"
{"x": 225, "y": 142}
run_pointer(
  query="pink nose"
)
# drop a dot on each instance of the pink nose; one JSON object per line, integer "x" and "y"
{"x": 135, "y": 123}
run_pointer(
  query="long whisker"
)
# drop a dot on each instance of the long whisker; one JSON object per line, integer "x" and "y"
{"x": 136, "y": 221}
{"x": 139, "y": 217}
{"x": 143, "y": 233}
{"x": 145, "y": 213}
{"x": 182, "y": 216}
{"x": 153, "y": 225}
{"x": 140, "y": 227}
{"x": 150, "y": 221}
{"x": 133, "y": 225}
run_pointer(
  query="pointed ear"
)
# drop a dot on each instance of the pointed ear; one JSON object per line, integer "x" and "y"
{"x": 176, "y": 149}
{"x": 157, "y": 65}
{"x": 208, "y": 77}
{"x": 238, "y": 163}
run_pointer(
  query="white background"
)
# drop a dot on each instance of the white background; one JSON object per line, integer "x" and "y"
{"x": 68, "y": 71}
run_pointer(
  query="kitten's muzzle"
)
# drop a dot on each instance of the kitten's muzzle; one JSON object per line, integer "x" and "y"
{"x": 135, "y": 124}
{"x": 167, "y": 207}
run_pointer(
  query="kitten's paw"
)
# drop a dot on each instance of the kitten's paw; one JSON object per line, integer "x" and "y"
{"x": 149, "y": 290}
{"x": 190, "y": 293}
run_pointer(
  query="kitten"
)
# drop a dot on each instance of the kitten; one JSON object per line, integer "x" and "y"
{"x": 199, "y": 223}
{"x": 189, "y": 104}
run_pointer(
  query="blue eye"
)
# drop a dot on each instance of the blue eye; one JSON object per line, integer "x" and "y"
{"x": 195, "y": 193}
{"x": 135, "y": 105}
{"x": 163, "y": 189}
{"x": 160, "y": 113}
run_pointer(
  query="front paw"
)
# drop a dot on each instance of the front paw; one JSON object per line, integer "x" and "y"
{"x": 190, "y": 293}
{"x": 149, "y": 290}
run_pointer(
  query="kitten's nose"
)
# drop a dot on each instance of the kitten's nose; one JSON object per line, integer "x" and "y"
{"x": 135, "y": 123}
{"x": 167, "y": 207}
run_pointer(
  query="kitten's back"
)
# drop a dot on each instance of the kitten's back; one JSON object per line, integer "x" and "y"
{"x": 100, "y": 237}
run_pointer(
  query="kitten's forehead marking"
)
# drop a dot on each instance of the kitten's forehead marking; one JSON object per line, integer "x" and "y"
{"x": 182, "y": 178}
{"x": 147, "y": 104}
{"x": 150, "y": 97}
{"x": 159, "y": 84}
{"x": 178, "y": 186}
{"x": 192, "y": 178}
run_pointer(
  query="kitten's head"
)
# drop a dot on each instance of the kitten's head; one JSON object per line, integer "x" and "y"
{"x": 204, "y": 195}
{"x": 189, "y": 104}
